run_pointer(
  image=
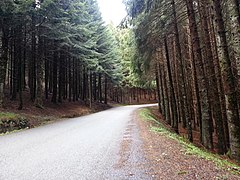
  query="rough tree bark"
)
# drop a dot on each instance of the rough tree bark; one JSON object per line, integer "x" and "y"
{"x": 172, "y": 95}
{"x": 205, "y": 107}
{"x": 39, "y": 73}
{"x": 212, "y": 79}
{"x": 230, "y": 84}
{"x": 3, "y": 57}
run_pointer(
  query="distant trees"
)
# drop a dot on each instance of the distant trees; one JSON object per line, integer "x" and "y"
{"x": 136, "y": 87}
{"x": 58, "y": 49}
{"x": 195, "y": 49}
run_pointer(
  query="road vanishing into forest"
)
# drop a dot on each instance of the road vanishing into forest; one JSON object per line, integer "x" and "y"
{"x": 86, "y": 147}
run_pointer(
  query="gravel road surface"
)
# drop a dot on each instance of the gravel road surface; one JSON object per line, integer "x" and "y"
{"x": 87, "y": 147}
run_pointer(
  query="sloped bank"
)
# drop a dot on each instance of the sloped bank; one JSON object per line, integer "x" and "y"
{"x": 12, "y": 120}
{"x": 174, "y": 157}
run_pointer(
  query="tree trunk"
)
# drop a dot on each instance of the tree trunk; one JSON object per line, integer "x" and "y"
{"x": 60, "y": 77}
{"x": 55, "y": 74}
{"x": 230, "y": 84}
{"x": 172, "y": 94}
{"x": 20, "y": 68}
{"x": 158, "y": 88}
{"x": 39, "y": 73}
{"x": 105, "y": 91}
{"x": 3, "y": 58}
{"x": 205, "y": 106}
{"x": 213, "y": 86}
{"x": 90, "y": 89}
{"x": 100, "y": 87}
{"x": 219, "y": 80}
{"x": 182, "y": 82}
{"x": 32, "y": 67}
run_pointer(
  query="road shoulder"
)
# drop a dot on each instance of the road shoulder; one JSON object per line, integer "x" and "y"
{"x": 167, "y": 159}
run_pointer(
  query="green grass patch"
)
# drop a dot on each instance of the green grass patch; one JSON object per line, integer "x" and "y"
{"x": 146, "y": 115}
{"x": 182, "y": 172}
{"x": 188, "y": 147}
{"x": 10, "y": 122}
{"x": 8, "y": 116}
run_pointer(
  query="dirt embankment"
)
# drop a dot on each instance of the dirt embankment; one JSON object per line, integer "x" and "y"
{"x": 33, "y": 116}
{"x": 168, "y": 158}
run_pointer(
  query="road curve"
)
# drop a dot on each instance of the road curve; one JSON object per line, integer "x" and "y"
{"x": 79, "y": 148}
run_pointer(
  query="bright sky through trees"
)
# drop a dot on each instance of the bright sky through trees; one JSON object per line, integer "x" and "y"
{"x": 112, "y": 10}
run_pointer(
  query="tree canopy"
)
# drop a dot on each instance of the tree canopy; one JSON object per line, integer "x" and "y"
{"x": 56, "y": 44}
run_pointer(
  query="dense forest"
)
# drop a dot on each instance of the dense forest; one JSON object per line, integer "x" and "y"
{"x": 185, "y": 53}
{"x": 193, "y": 45}
{"x": 62, "y": 50}
{"x": 56, "y": 46}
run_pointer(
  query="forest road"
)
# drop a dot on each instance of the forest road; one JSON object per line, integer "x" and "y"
{"x": 87, "y": 147}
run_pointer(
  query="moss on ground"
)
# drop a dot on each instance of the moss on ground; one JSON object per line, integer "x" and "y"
{"x": 10, "y": 122}
{"x": 8, "y": 116}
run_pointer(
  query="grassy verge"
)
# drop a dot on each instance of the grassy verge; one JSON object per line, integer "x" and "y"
{"x": 8, "y": 115}
{"x": 11, "y": 122}
{"x": 188, "y": 147}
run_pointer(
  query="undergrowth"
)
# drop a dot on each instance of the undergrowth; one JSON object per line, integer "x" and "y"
{"x": 10, "y": 122}
{"x": 8, "y": 116}
{"x": 189, "y": 148}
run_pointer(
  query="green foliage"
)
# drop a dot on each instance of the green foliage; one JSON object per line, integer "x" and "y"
{"x": 126, "y": 47}
{"x": 75, "y": 27}
{"x": 110, "y": 59}
{"x": 8, "y": 116}
{"x": 136, "y": 45}
{"x": 135, "y": 7}
{"x": 146, "y": 115}
{"x": 11, "y": 122}
{"x": 182, "y": 172}
{"x": 68, "y": 38}
{"x": 131, "y": 62}
{"x": 149, "y": 21}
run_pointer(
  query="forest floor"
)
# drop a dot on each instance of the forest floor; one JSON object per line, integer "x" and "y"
{"x": 51, "y": 112}
{"x": 168, "y": 156}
